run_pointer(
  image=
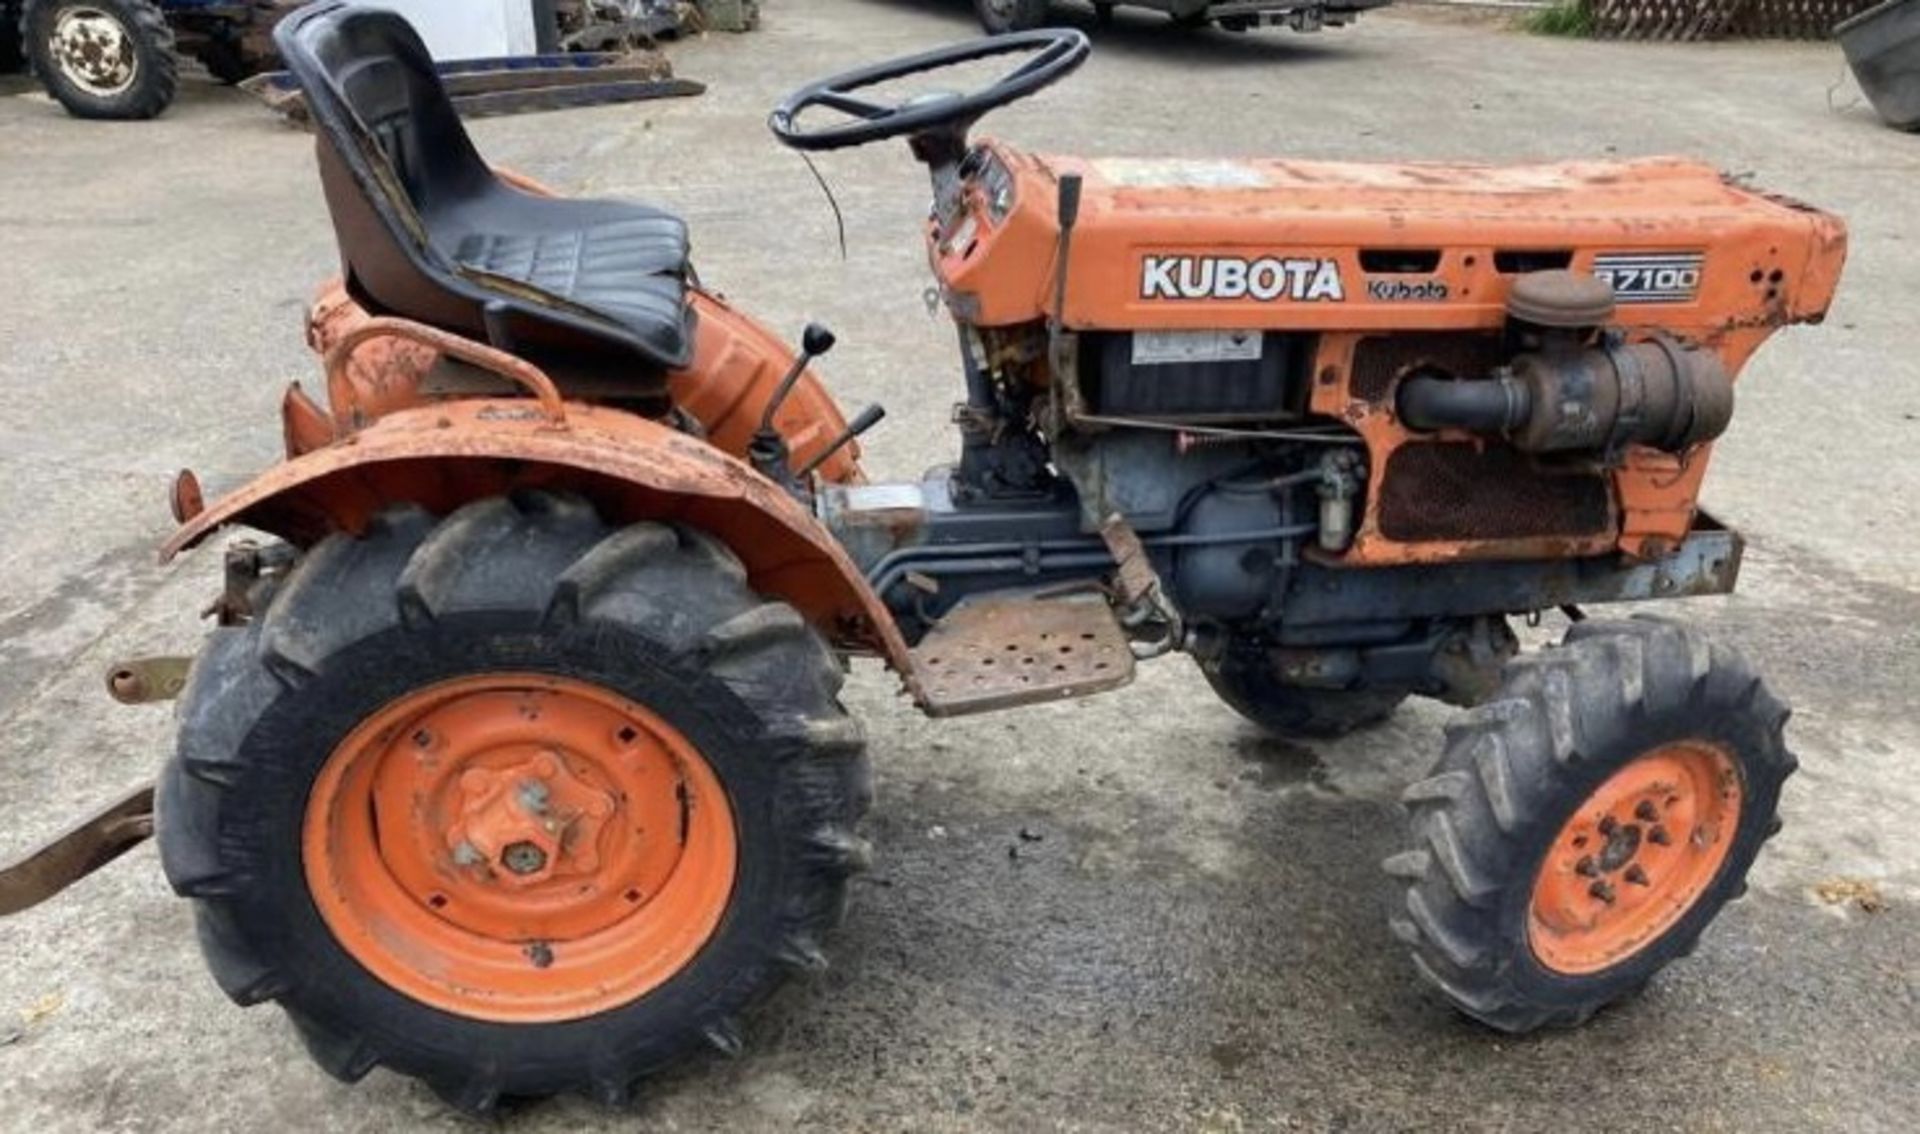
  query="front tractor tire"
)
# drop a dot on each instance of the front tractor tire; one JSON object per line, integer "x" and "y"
{"x": 1585, "y": 825}
{"x": 110, "y": 59}
{"x": 514, "y": 802}
{"x": 999, "y": 17}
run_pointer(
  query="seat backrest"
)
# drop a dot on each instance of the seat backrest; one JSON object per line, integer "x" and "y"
{"x": 390, "y": 145}
{"x": 394, "y": 157}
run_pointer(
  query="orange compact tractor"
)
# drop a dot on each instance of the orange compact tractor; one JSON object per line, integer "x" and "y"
{"x": 516, "y": 762}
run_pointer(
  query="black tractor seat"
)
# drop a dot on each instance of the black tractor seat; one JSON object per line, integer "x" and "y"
{"x": 428, "y": 232}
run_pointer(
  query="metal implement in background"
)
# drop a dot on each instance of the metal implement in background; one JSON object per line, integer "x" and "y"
{"x": 520, "y": 84}
{"x": 1882, "y": 45}
{"x": 78, "y": 853}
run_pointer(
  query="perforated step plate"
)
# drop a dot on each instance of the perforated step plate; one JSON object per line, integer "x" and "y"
{"x": 995, "y": 653}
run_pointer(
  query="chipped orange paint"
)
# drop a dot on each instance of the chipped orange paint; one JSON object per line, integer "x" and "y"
{"x": 1635, "y": 857}
{"x": 521, "y": 848}
{"x": 736, "y": 367}
{"x": 443, "y": 454}
{"x": 1770, "y": 261}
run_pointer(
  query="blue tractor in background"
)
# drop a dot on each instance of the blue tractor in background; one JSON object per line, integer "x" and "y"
{"x": 121, "y": 58}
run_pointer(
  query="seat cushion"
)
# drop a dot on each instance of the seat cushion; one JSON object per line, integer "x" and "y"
{"x": 630, "y": 270}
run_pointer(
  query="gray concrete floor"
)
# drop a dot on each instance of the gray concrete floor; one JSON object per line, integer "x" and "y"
{"x": 1197, "y": 942}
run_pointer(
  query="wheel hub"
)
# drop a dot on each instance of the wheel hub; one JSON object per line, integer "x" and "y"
{"x": 94, "y": 50}
{"x": 519, "y": 847}
{"x": 1635, "y": 857}
{"x": 528, "y": 822}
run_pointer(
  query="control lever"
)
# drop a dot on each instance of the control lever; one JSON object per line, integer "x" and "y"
{"x": 768, "y": 450}
{"x": 864, "y": 420}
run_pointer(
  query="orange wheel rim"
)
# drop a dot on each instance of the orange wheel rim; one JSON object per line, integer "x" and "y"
{"x": 519, "y": 848}
{"x": 1635, "y": 857}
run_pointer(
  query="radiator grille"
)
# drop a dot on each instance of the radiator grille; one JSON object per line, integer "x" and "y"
{"x": 1441, "y": 491}
{"x": 1380, "y": 359}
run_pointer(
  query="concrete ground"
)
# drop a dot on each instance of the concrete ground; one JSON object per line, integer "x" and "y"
{"x": 1197, "y": 940}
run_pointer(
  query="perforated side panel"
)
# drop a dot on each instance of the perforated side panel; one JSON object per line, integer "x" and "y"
{"x": 1440, "y": 491}
{"x": 1378, "y": 360}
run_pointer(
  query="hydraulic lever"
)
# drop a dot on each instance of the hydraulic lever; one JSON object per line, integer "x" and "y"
{"x": 767, "y": 452}
{"x": 864, "y": 420}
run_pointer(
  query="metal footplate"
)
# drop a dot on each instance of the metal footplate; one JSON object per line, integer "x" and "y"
{"x": 996, "y": 653}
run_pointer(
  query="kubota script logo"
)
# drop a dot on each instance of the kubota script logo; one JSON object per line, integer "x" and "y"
{"x": 1267, "y": 279}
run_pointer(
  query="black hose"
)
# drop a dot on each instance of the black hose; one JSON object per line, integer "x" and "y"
{"x": 1491, "y": 405}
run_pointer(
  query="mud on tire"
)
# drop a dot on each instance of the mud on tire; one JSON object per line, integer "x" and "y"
{"x": 1513, "y": 775}
{"x": 658, "y": 615}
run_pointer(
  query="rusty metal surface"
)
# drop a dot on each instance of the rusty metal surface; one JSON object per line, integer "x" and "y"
{"x": 78, "y": 853}
{"x": 441, "y": 456}
{"x": 1706, "y": 562}
{"x": 997, "y": 653}
{"x": 141, "y": 681}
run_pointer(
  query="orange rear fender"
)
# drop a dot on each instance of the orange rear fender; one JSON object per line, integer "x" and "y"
{"x": 444, "y": 455}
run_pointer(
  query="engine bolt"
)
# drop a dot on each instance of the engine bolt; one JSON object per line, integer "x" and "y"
{"x": 1636, "y": 875}
{"x": 1659, "y": 837}
{"x": 1646, "y": 812}
{"x": 523, "y": 858}
{"x": 1602, "y": 890}
{"x": 1586, "y": 867}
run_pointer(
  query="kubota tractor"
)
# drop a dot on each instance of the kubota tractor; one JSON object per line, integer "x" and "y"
{"x": 516, "y": 762}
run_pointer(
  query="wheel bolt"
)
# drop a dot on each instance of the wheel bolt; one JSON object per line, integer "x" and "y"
{"x": 1607, "y": 825}
{"x": 1602, "y": 890}
{"x": 1586, "y": 867}
{"x": 1646, "y": 812}
{"x": 1636, "y": 875}
{"x": 1659, "y": 837}
{"x": 523, "y": 858}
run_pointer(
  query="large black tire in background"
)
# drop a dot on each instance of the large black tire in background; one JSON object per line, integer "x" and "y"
{"x": 660, "y": 616}
{"x": 102, "y": 58}
{"x": 1245, "y": 680}
{"x": 1002, "y": 16}
{"x": 1529, "y": 769}
{"x": 12, "y": 53}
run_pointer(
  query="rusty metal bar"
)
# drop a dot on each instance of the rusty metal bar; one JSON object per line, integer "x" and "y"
{"x": 81, "y": 851}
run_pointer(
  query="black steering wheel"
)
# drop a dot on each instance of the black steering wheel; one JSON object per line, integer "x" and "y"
{"x": 1053, "y": 53}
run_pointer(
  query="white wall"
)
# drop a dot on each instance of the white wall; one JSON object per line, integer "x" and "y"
{"x": 469, "y": 29}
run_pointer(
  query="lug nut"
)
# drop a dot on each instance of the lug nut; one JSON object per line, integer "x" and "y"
{"x": 1646, "y": 812}
{"x": 1636, "y": 875}
{"x": 1602, "y": 890}
{"x": 1607, "y": 825}
{"x": 523, "y": 858}
{"x": 1659, "y": 837}
{"x": 1586, "y": 867}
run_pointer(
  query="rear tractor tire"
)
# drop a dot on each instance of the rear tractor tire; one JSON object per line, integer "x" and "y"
{"x": 1246, "y": 681}
{"x": 1585, "y": 825}
{"x": 103, "y": 58}
{"x": 999, "y": 17}
{"x": 514, "y": 802}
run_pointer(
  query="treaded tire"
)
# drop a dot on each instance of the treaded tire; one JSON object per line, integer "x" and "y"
{"x": 1515, "y": 770}
{"x": 156, "y": 79}
{"x": 1250, "y": 688}
{"x": 533, "y": 582}
{"x": 1012, "y": 16}
{"x": 228, "y": 62}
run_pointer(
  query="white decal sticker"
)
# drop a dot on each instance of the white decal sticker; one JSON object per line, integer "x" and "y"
{"x": 1267, "y": 279}
{"x": 1156, "y": 348}
{"x": 1148, "y": 173}
{"x": 1650, "y": 277}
